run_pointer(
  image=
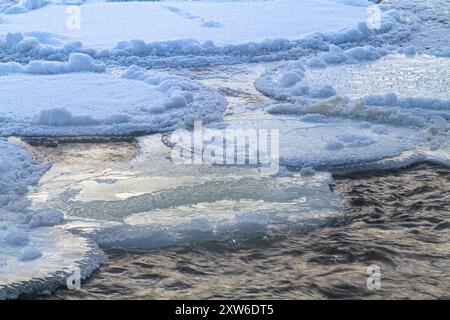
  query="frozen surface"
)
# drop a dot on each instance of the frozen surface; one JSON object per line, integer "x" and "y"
{"x": 328, "y": 142}
{"x": 396, "y": 89}
{"x": 145, "y": 206}
{"x": 103, "y": 24}
{"x": 35, "y": 254}
{"x": 50, "y": 257}
{"x": 71, "y": 104}
{"x": 420, "y": 75}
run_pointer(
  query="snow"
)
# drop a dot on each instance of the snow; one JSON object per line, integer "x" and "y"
{"x": 10, "y": 67}
{"x": 16, "y": 238}
{"x": 46, "y": 218}
{"x": 287, "y": 81}
{"x": 71, "y": 104}
{"x": 23, "y": 6}
{"x": 78, "y": 62}
{"x": 102, "y": 23}
{"x": 348, "y": 87}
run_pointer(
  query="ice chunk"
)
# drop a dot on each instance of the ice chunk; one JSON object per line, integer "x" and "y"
{"x": 290, "y": 78}
{"x": 16, "y": 238}
{"x": 222, "y": 22}
{"x": 46, "y": 218}
{"x": 61, "y": 117}
{"x": 334, "y": 145}
{"x": 30, "y": 254}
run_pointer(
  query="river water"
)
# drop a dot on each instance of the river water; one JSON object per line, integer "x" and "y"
{"x": 398, "y": 221}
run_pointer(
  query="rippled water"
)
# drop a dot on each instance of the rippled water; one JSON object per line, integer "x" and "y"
{"x": 396, "y": 220}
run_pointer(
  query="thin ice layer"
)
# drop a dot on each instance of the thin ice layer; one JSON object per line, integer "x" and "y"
{"x": 149, "y": 206}
{"x": 314, "y": 140}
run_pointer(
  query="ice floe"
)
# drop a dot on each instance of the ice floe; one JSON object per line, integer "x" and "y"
{"x": 36, "y": 254}
{"x": 165, "y": 203}
{"x": 72, "y": 104}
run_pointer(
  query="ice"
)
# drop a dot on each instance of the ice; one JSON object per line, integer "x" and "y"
{"x": 371, "y": 91}
{"x": 199, "y": 33}
{"x": 16, "y": 238}
{"x": 349, "y": 104}
{"x": 46, "y": 218}
{"x": 52, "y": 255}
{"x": 30, "y": 254}
{"x": 34, "y": 256}
{"x": 334, "y": 145}
{"x": 71, "y": 104}
{"x": 421, "y": 75}
{"x": 23, "y": 6}
{"x": 165, "y": 203}
{"x": 336, "y": 141}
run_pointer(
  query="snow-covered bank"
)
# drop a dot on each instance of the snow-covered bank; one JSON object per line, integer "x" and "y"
{"x": 174, "y": 43}
{"x": 36, "y": 254}
{"x": 104, "y": 24}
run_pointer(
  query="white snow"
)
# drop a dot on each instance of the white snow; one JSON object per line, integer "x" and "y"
{"x": 71, "y": 104}
{"x": 103, "y": 24}
{"x": 16, "y": 238}
{"x": 22, "y": 6}
{"x": 78, "y": 62}
{"x": 30, "y": 254}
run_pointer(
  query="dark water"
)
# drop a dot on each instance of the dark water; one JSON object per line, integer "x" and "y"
{"x": 398, "y": 221}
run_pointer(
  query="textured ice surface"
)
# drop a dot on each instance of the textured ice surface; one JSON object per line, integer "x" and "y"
{"x": 35, "y": 255}
{"x": 421, "y": 75}
{"x": 150, "y": 202}
{"x": 159, "y": 204}
{"x": 50, "y": 257}
{"x": 396, "y": 89}
{"x": 72, "y": 104}
{"x": 330, "y": 142}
